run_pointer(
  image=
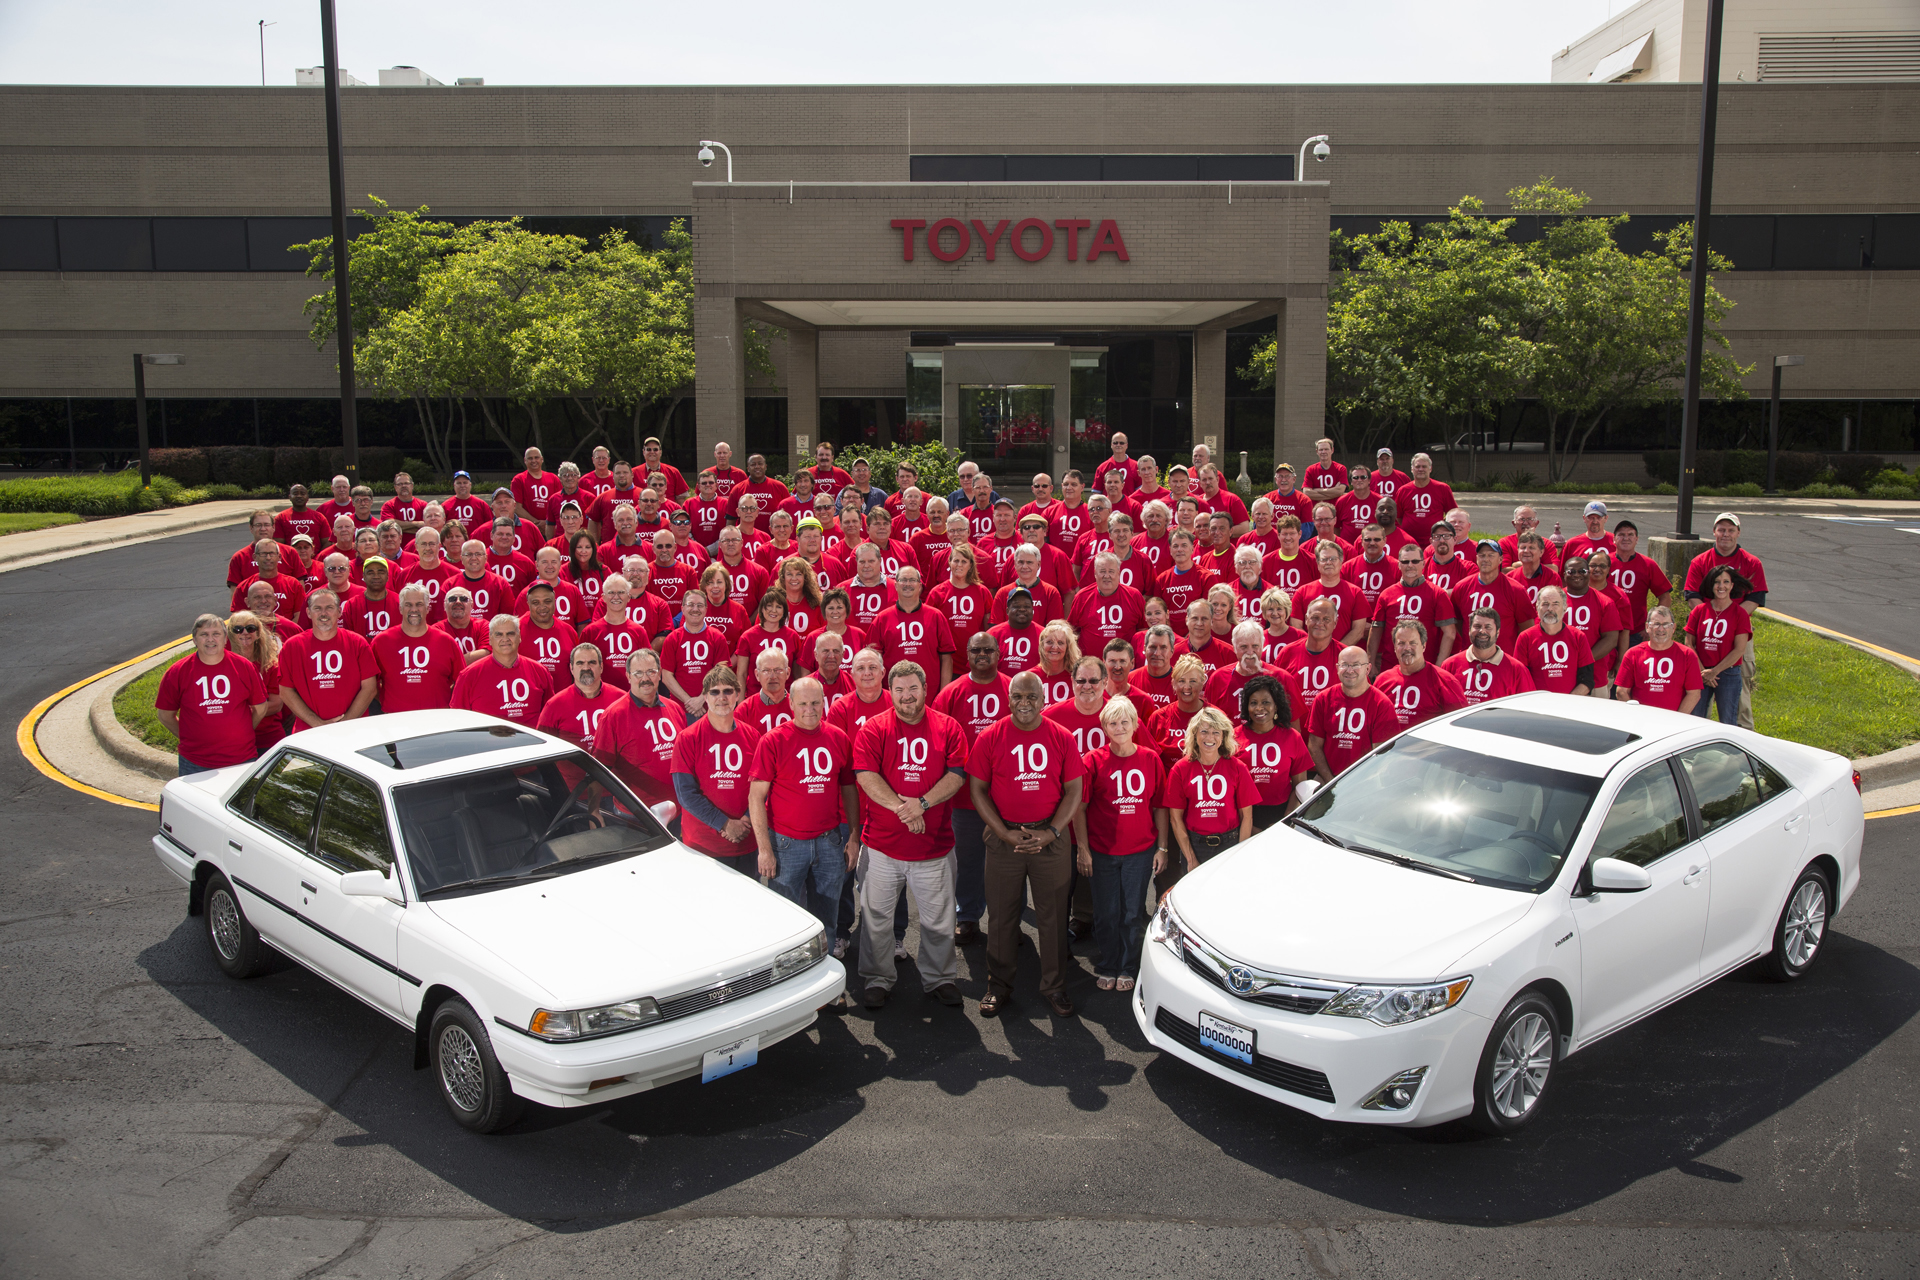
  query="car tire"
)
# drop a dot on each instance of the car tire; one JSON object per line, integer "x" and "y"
{"x": 1801, "y": 931}
{"x": 471, "y": 1081}
{"x": 235, "y": 944}
{"x": 1514, "y": 1078}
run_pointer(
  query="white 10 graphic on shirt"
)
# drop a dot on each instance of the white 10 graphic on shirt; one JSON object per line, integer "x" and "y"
{"x": 913, "y": 751}
{"x": 728, "y": 759}
{"x": 215, "y": 688}
{"x": 1209, "y": 788}
{"x": 1129, "y": 784}
{"x": 1265, "y": 755}
{"x": 1557, "y": 652}
{"x": 515, "y": 690}
{"x": 662, "y": 732}
{"x": 1479, "y": 679}
{"x": 1030, "y": 757}
{"x": 815, "y": 762}
{"x": 328, "y": 662}
{"x": 1349, "y": 720}
{"x": 413, "y": 659}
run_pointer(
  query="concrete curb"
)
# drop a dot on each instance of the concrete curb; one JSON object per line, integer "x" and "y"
{"x": 114, "y": 738}
{"x": 21, "y": 550}
{"x": 1890, "y": 768}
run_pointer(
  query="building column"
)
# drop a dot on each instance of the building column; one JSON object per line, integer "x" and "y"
{"x": 803, "y": 395}
{"x": 1210, "y": 391}
{"x": 719, "y": 379}
{"x": 1300, "y": 380}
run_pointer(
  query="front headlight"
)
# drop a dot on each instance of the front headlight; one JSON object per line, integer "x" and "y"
{"x": 1167, "y": 930}
{"x": 581, "y": 1024}
{"x": 788, "y": 963}
{"x": 1392, "y": 1006}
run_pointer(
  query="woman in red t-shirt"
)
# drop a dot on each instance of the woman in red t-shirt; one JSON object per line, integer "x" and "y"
{"x": 1276, "y": 615}
{"x": 584, "y": 569}
{"x": 802, "y": 589}
{"x": 1120, "y": 836}
{"x": 770, "y": 631}
{"x": 722, "y": 612}
{"x": 1271, "y": 748}
{"x": 1718, "y": 630}
{"x": 211, "y": 700}
{"x": 1209, "y": 794}
{"x": 255, "y": 640}
{"x": 1059, "y": 655}
{"x": 1167, "y": 727}
{"x": 836, "y": 607}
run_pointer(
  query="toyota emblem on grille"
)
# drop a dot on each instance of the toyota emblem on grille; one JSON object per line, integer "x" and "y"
{"x": 1240, "y": 980}
{"x": 719, "y": 994}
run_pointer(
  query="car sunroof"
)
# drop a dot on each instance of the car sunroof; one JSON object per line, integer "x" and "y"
{"x": 432, "y": 748}
{"x": 1551, "y": 731}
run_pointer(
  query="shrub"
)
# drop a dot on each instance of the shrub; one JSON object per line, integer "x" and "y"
{"x": 1745, "y": 490}
{"x": 293, "y": 464}
{"x": 223, "y": 492}
{"x": 188, "y": 466}
{"x": 1566, "y": 486}
{"x": 243, "y": 465}
{"x": 938, "y": 466}
{"x": 1893, "y": 491}
{"x": 267, "y": 492}
{"x": 1896, "y": 477}
{"x": 1856, "y": 470}
{"x": 1664, "y": 490}
{"x": 1823, "y": 490}
{"x": 1625, "y": 486}
{"x": 1737, "y": 466}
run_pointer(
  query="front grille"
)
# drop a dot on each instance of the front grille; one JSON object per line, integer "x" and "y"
{"x": 1275, "y": 1000}
{"x": 1281, "y": 1075}
{"x": 718, "y": 994}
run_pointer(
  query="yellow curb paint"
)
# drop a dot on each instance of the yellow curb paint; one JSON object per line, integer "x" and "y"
{"x": 1838, "y": 635}
{"x": 24, "y": 736}
{"x": 1893, "y": 813}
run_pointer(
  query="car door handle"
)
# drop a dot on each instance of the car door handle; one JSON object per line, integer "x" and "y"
{"x": 1794, "y": 821}
{"x": 309, "y": 888}
{"x": 235, "y": 846}
{"x": 1693, "y": 874}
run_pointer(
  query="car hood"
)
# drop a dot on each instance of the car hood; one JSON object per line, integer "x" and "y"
{"x": 656, "y": 924}
{"x": 1287, "y": 903}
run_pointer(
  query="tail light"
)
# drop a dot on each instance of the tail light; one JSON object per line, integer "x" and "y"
{"x": 1856, "y": 781}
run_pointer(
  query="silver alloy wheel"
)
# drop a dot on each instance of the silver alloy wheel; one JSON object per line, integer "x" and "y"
{"x": 223, "y": 922}
{"x": 461, "y": 1071}
{"x": 1521, "y": 1064}
{"x": 1806, "y": 923}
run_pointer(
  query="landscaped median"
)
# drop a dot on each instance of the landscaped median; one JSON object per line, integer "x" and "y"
{"x": 93, "y": 497}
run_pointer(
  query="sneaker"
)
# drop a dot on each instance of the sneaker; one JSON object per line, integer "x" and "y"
{"x": 900, "y": 951}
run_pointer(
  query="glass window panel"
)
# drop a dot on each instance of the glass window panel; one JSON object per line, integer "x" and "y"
{"x": 1821, "y": 242}
{"x": 1647, "y": 820}
{"x": 1896, "y": 241}
{"x": 288, "y": 797}
{"x": 957, "y": 168}
{"x": 1771, "y": 783}
{"x": 200, "y": 244}
{"x": 1007, "y": 429}
{"x": 1722, "y": 780}
{"x": 106, "y": 244}
{"x": 1246, "y": 168}
{"x": 353, "y": 826}
{"x": 1745, "y": 238}
{"x": 28, "y": 244}
{"x": 268, "y": 238}
{"x": 1053, "y": 168}
{"x": 1149, "y": 168}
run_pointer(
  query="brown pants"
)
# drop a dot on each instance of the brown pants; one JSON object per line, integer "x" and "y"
{"x": 1009, "y": 875}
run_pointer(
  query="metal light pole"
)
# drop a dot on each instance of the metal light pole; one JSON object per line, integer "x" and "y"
{"x": 264, "y": 24}
{"x": 705, "y": 155}
{"x": 342, "y": 304}
{"x": 140, "y": 363}
{"x": 1773, "y": 417}
{"x": 1696, "y": 314}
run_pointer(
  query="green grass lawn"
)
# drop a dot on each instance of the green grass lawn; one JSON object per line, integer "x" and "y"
{"x": 1830, "y": 695}
{"x": 26, "y": 521}
{"x": 133, "y": 708}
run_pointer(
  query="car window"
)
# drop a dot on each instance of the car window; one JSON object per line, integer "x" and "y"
{"x": 353, "y": 826}
{"x": 288, "y": 796}
{"x": 1771, "y": 783}
{"x": 1647, "y": 820}
{"x": 1722, "y": 780}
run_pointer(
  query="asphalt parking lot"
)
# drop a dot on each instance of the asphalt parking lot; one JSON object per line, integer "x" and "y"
{"x": 163, "y": 1120}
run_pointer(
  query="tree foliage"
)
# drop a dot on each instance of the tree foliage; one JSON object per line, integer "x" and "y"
{"x": 1457, "y": 316}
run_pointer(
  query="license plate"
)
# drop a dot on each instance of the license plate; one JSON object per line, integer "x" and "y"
{"x": 1226, "y": 1038}
{"x": 729, "y": 1058}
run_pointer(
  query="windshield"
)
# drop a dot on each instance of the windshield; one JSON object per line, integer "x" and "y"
{"x": 1499, "y": 822}
{"x": 502, "y": 826}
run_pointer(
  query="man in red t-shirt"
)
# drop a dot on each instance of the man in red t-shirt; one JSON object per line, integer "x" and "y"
{"x": 492, "y": 597}
{"x": 651, "y": 465}
{"x": 1727, "y": 552}
{"x": 301, "y": 518}
{"x": 909, "y": 762}
{"x": 1447, "y": 566}
{"x": 1420, "y": 689}
{"x": 1324, "y": 479}
{"x": 1315, "y": 661}
{"x": 533, "y": 491}
{"x": 211, "y": 700}
{"x": 1490, "y": 588}
{"x": 574, "y": 712}
{"x": 712, "y": 767}
{"x": 327, "y": 674}
{"x": 1025, "y": 778}
{"x": 727, "y": 477}
{"x": 1635, "y": 578}
{"x": 1597, "y": 613}
{"x": 418, "y": 664}
{"x": 806, "y": 818}
{"x": 636, "y": 735}
{"x": 1107, "y": 610}
{"x": 1596, "y": 538}
{"x": 1423, "y": 501}
{"x": 374, "y": 608}
{"x": 547, "y": 638}
{"x": 913, "y": 632}
{"x": 290, "y": 597}
{"x": 1350, "y": 719}
{"x": 458, "y": 623}
{"x": 1660, "y": 673}
{"x": 1484, "y": 669}
{"x": 504, "y": 684}
{"x": 1416, "y": 598}
{"x": 242, "y": 565}
{"x": 622, "y": 489}
{"x": 619, "y": 633}
{"x": 1556, "y": 655}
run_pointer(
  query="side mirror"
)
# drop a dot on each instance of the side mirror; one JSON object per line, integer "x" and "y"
{"x": 372, "y": 884}
{"x": 1612, "y": 875}
{"x": 1306, "y": 789}
{"x": 666, "y": 811}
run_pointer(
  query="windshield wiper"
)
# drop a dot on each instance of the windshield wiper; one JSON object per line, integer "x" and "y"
{"x": 481, "y": 882}
{"x": 1402, "y": 860}
{"x": 1301, "y": 824}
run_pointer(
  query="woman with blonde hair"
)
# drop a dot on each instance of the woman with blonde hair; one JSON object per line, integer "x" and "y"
{"x": 1120, "y": 835}
{"x": 253, "y": 638}
{"x": 1209, "y": 794}
{"x": 1167, "y": 727}
{"x": 1059, "y": 655}
{"x": 1276, "y": 615}
{"x": 962, "y": 600}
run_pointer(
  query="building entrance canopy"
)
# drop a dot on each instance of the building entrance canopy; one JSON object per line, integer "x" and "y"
{"x": 1006, "y": 257}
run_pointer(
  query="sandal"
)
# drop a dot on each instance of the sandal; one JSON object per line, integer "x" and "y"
{"x": 1125, "y": 984}
{"x": 1104, "y": 983}
{"x": 990, "y": 1005}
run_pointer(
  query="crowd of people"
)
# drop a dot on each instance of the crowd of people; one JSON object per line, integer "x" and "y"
{"x": 863, "y": 695}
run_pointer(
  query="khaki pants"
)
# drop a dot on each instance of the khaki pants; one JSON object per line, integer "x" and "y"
{"x": 1010, "y": 875}
{"x": 930, "y": 883}
{"x": 1747, "y": 667}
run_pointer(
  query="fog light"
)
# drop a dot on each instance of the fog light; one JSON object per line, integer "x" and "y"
{"x": 1398, "y": 1093}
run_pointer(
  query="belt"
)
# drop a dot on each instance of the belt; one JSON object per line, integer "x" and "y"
{"x": 1212, "y": 841}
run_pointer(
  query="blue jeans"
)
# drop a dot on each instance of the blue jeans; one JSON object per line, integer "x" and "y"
{"x": 970, "y": 866}
{"x": 810, "y": 872}
{"x": 189, "y": 767}
{"x": 1726, "y": 693}
{"x": 1120, "y": 911}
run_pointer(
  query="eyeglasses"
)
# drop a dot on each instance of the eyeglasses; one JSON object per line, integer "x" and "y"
{"x": 1089, "y": 680}
{"x": 245, "y": 629}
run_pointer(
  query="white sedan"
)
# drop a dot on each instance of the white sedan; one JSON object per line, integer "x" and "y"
{"x": 1429, "y": 935}
{"x": 505, "y": 898}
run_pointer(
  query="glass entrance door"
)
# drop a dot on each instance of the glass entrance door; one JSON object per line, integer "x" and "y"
{"x": 1007, "y": 428}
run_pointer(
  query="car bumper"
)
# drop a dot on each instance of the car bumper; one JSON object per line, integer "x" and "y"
{"x": 1303, "y": 1058}
{"x": 174, "y": 857}
{"x": 562, "y": 1075}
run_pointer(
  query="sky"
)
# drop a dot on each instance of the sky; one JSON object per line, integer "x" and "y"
{"x": 188, "y": 42}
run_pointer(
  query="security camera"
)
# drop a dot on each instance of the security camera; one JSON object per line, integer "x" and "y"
{"x": 706, "y": 157}
{"x": 1321, "y": 151}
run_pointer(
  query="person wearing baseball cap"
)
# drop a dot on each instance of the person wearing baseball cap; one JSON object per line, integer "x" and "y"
{"x": 1596, "y": 538}
{"x": 1386, "y": 480}
{"x": 1727, "y": 551}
